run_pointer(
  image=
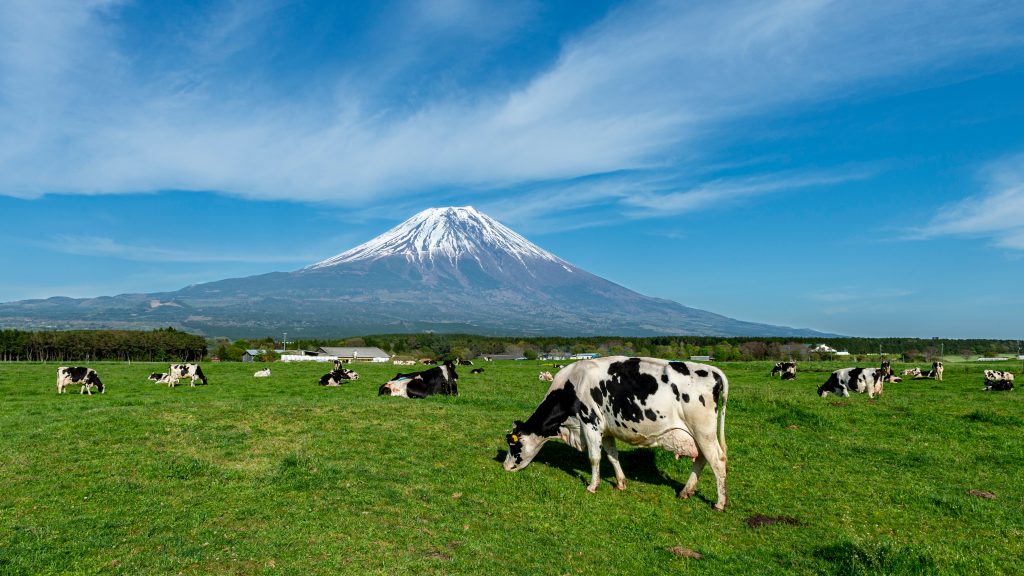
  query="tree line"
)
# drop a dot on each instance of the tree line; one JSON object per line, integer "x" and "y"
{"x": 164, "y": 344}
{"x": 725, "y": 349}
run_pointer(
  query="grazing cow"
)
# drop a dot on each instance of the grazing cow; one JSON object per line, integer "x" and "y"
{"x": 787, "y": 369}
{"x": 998, "y": 380}
{"x": 160, "y": 377}
{"x": 477, "y": 371}
{"x": 545, "y": 377}
{"x": 438, "y": 380}
{"x": 86, "y": 377}
{"x": 337, "y": 376}
{"x": 642, "y": 401}
{"x": 191, "y": 371}
{"x": 464, "y": 362}
{"x": 915, "y": 372}
{"x": 861, "y": 380}
{"x": 265, "y": 373}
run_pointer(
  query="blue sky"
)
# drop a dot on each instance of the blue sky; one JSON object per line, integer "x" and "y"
{"x": 854, "y": 167}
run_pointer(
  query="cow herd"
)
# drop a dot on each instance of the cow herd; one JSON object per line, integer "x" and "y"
{"x": 647, "y": 402}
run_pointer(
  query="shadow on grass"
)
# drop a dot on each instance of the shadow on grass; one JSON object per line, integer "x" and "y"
{"x": 640, "y": 465}
{"x": 849, "y": 559}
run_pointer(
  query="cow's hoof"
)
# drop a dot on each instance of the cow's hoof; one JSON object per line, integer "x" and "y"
{"x": 592, "y": 489}
{"x": 684, "y": 495}
{"x": 718, "y": 508}
{"x": 621, "y": 485}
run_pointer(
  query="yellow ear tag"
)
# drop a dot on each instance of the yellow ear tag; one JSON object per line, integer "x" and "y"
{"x": 515, "y": 438}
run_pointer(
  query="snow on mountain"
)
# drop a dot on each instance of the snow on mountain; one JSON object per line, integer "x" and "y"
{"x": 449, "y": 233}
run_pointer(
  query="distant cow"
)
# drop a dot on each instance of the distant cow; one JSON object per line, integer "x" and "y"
{"x": 936, "y": 371}
{"x": 846, "y": 380}
{"x": 160, "y": 377}
{"x": 438, "y": 380}
{"x": 915, "y": 372}
{"x": 648, "y": 402}
{"x": 477, "y": 371}
{"x": 998, "y": 380}
{"x": 464, "y": 362}
{"x": 337, "y": 376}
{"x": 265, "y": 373}
{"x": 191, "y": 371}
{"x": 86, "y": 377}
{"x": 404, "y": 362}
{"x": 545, "y": 377}
{"x": 787, "y": 369}
{"x": 428, "y": 361}
{"x": 339, "y": 361}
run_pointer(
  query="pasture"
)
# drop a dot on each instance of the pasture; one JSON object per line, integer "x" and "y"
{"x": 281, "y": 476}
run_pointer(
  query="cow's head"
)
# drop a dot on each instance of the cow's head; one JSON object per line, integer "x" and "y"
{"x": 886, "y": 368}
{"x": 522, "y": 447}
{"x": 92, "y": 379}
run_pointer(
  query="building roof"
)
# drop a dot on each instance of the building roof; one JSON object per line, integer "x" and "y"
{"x": 255, "y": 352}
{"x": 354, "y": 352}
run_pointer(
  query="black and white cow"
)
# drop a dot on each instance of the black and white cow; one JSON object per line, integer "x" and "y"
{"x": 191, "y": 371}
{"x": 265, "y": 373}
{"x": 998, "y": 380}
{"x": 438, "y": 380}
{"x": 160, "y": 377}
{"x": 936, "y": 371}
{"x": 915, "y": 372}
{"x": 337, "y": 376}
{"x": 787, "y": 369}
{"x": 648, "y": 402}
{"x": 477, "y": 371}
{"x": 461, "y": 362}
{"x": 846, "y": 380}
{"x": 86, "y": 377}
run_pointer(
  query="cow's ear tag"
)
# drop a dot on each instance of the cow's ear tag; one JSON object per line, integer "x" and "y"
{"x": 515, "y": 438}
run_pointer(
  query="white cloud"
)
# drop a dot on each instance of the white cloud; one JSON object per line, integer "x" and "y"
{"x": 81, "y": 116}
{"x": 998, "y": 213}
{"x": 97, "y": 246}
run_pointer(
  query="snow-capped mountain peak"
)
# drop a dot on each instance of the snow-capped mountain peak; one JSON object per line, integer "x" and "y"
{"x": 450, "y": 233}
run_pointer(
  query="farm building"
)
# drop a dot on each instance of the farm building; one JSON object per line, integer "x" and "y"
{"x": 356, "y": 353}
{"x": 251, "y": 354}
{"x": 585, "y": 356}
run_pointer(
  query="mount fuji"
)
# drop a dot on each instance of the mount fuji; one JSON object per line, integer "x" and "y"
{"x": 445, "y": 269}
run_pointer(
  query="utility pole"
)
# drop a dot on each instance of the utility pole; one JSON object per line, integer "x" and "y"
{"x": 284, "y": 343}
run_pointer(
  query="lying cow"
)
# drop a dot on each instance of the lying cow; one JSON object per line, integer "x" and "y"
{"x": 265, "y": 373}
{"x": 477, "y": 371}
{"x": 191, "y": 371}
{"x": 461, "y": 362}
{"x": 438, "y": 380}
{"x": 404, "y": 362}
{"x": 998, "y": 381}
{"x": 915, "y": 372}
{"x": 861, "y": 380}
{"x": 337, "y": 376}
{"x": 160, "y": 377}
{"x": 86, "y": 377}
{"x": 644, "y": 402}
{"x": 545, "y": 377}
{"x": 787, "y": 369}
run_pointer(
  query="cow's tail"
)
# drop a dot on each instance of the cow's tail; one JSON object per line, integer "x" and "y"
{"x": 723, "y": 401}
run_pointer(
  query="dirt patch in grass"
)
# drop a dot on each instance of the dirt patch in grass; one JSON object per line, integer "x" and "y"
{"x": 981, "y": 494}
{"x": 684, "y": 552}
{"x": 759, "y": 520}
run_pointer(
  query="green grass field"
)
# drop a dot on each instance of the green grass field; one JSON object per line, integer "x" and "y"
{"x": 281, "y": 476}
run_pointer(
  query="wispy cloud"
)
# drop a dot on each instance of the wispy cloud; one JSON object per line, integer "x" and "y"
{"x": 997, "y": 213}
{"x": 627, "y": 95}
{"x": 96, "y": 246}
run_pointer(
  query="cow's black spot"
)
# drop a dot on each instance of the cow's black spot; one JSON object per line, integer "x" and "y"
{"x": 675, "y": 391}
{"x": 553, "y": 411}
{"x": 596, "y": 394}
{"x": 702, "y": 373}
{"x": 629, "y": 388}
{"x": 701, "y": 399}
{"x": 650, "y": 415}
{"x": 680, "y": 367}
{"x": 686, "y": 397}
{"x": 664, "y": 378}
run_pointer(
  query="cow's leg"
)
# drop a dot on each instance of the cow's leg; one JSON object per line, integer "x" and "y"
{"x": 593, "y": 442}
{"x": 711, "y": 451}
{"x": 612, "y": 452}
{"x": 691, "y": 483}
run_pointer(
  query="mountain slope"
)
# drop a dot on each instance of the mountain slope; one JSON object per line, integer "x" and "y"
{"x": 444, "y": 269}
